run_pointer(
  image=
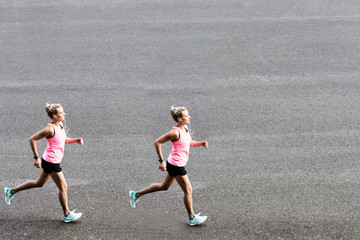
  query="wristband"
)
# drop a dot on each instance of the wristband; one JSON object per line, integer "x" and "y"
{"x": 161, "y": 160}
{"x": 36, "y": 157}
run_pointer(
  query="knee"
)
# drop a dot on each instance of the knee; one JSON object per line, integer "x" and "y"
{"x": 165, "y": 187}
{"x": 39, "y": 184}
{"x": 63, "y": 188}
{"x": 188, "y": 191}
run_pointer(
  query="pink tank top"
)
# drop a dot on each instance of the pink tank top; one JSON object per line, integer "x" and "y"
{"x": 179, "y": 154}
{"x": 54, "y": 152}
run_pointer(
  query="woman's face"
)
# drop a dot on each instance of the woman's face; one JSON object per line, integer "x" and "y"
{"x": 185, "y": 119}
{"x": 60, "y": 114}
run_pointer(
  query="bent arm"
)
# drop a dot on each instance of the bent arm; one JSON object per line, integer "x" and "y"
{"x": 74, "y": 140}
{"x": 48, "y": 131}
{"x": 196, "y": 144}
{"x": 173, "y": 134}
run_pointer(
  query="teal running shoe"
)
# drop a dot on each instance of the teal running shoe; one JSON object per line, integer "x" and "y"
{"x": 197, "y": 219}
{"x": 133, "y": 198}
{"x": 8, "y": 195}
{"x": 72, "y": 216}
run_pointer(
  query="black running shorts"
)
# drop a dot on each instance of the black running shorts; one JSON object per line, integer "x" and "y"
{"x": 50, "y": 167}
{"x": 174, "y": 170}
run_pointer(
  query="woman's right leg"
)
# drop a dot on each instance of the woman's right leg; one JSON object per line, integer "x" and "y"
{"x": 185, "y": 185}
{"x": 60, "y": 182}
{"x": 39, "y": 182}
{"x": 163, "y": 186}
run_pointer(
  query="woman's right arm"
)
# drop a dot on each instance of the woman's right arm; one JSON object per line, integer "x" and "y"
{"x": 173, "y": 134}
{"x": 48, "y": 131}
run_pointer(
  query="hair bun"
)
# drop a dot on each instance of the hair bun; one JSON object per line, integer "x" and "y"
{"x": 51, "y": 109}
{"x": 176, "y": 112}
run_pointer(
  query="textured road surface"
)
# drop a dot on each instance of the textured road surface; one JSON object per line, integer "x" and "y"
{"x": 273, "y": 86}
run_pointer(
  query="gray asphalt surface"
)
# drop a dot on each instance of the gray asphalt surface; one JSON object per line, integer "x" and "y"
{"x": 273, "y": 86}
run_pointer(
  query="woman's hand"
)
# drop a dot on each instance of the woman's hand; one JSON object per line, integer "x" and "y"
{"x": 205, "y": 144}
{"x": 162, "y": 166}
{"x": 80, "y": 141}
{"x": 37, "y": 163}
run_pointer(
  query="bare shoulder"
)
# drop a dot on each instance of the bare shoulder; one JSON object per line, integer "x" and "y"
{"x": 174, "y": 134}
{"x": 47, "y": 131}
{"x": 171, "y": 135}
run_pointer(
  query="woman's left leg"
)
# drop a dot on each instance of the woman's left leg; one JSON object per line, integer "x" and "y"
{"x": 163, "y": 186}
{"x": 39, "y": 182}
{"x": 60, "y": 182}
{"x": 185, "y": 185}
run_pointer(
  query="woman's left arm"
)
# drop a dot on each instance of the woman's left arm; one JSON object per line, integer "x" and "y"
{"x": 196, "y": 144}
{"x": 74, "y": 140}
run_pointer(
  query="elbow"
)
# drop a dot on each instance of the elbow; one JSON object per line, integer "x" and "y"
{"x": 32, "y": 140}
{"x": 157, "y": 143}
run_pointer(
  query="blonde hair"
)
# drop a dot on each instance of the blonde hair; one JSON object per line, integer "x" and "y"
{"x": 176, "y": 112}
{"x": 51, "y": 109}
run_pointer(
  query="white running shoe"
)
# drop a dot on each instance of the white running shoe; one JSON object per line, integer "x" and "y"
{"x": 72, "y": 216}
{"x": 8, "y": 195}
{"x": 197, "y": 219}
{"x": 133, "y": 198}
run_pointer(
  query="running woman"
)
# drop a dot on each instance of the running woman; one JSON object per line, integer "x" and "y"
{"x": 49, "y": 163}
{"x": 181, "y": 142}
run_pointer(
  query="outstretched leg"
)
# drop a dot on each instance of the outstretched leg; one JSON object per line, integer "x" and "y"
{"x": 39, "y": 182}
{"x": 163, "y": 186}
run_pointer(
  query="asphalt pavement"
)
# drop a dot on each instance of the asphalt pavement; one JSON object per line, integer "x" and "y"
{"x": 273, "y": 86}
